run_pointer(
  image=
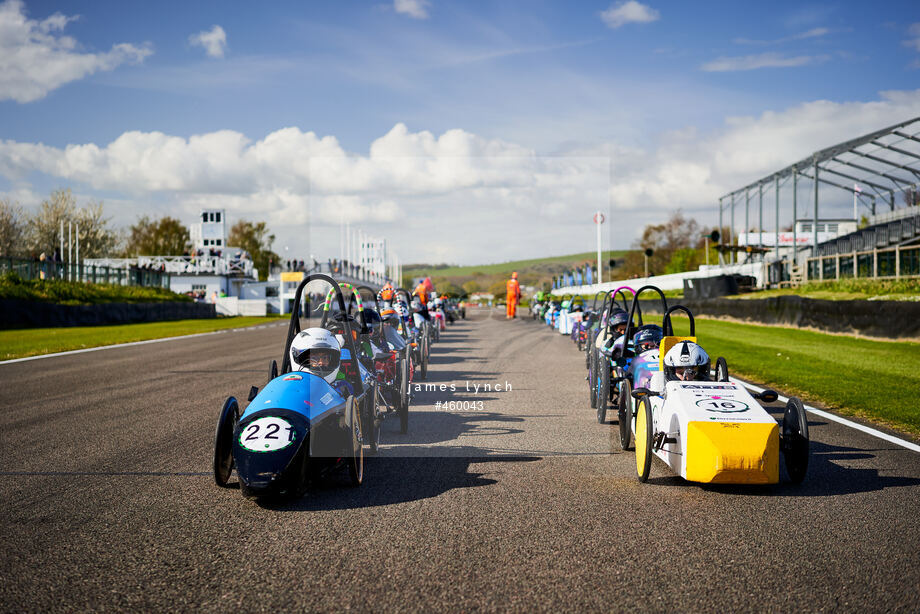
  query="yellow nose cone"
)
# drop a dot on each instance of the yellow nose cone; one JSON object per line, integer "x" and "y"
{"x": 733, "y": 452}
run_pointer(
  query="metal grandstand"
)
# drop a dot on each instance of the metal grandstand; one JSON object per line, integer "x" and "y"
{"x": 875, "y": 169}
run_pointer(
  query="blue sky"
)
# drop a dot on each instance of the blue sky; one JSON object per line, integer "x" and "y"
{"x": 658, "y": 87}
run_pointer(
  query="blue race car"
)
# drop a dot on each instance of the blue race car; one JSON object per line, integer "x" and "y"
{"x": 299, "y": 425}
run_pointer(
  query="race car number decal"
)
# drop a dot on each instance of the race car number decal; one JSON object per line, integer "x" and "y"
{"x": 268, "y": 434}
{"x": 722, "y": 406}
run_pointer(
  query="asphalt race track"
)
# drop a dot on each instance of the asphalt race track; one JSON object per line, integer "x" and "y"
{"x": 107, "y": 501}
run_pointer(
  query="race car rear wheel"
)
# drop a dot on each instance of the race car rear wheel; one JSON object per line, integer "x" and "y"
{"x": 721, "y": 370}
{"x": 795, "y": 440}
{"x": 644, "y": 428}
{"x": 223, "y": 441}
{"x": 272, "y": 370}
{"x": 403, "y": 408}
{"x": 624, "y": 413}
{"x": 356, "y": 459}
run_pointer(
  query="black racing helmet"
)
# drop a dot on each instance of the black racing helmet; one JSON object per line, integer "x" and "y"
{"x": 648, "y": 338}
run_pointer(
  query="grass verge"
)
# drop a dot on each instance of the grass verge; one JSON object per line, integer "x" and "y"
{"x": 847, "y": 290}
{"x": 21, "y": 343}
{"x": 875, "y": 380}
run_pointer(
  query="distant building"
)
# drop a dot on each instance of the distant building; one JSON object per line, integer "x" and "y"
{"x": 211, "y": 230}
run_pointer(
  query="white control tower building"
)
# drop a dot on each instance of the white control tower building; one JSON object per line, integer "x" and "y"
{"x": 211, "y": 231}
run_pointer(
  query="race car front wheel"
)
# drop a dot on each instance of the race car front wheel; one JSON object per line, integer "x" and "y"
{"x": 644, "y": 430}
{"x": 721, "y": 370}
{"x": 624, "y": 413}
{"x": 592, "y": 384}
{"x": 356, "y": 459}
{"x": 795, "y": 440}
{"x": 223, "y": 441}
{"x": 603, "y": 389}
{"x": 403, "y": 408}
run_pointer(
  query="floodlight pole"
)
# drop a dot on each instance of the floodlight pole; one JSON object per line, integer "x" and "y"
{"x": 731, "y": 232}
{"x": 598, "y": 221}
{"x": 776, "y": 195}
{"x": 795, "y": 214}
{"x": 814, "y": 252}
{"x": 760, "y": 217}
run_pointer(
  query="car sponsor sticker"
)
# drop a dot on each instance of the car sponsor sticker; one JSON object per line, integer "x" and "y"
{"x": 709, "y": 386}
{"x": 326, "y": 398}
{"x": 293, "y": 378}
{"x": 267, "y": 434}
{"x": 722, "y": 405}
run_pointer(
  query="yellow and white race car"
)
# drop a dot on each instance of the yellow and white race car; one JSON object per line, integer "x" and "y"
{"x": 715, "y": 432}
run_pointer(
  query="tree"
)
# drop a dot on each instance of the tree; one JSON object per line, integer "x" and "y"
{"x": 96, "y": 238}
{"x": 45, "y": 226}
{"x": 471, "y": 287}
{"x": 664, "y": 239}
{"x": 255, "y": 239}
{"x": 165, "y": 236}
{"x": 13, "y": 226}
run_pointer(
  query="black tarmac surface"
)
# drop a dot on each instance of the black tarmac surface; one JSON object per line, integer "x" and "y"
{"x": 107, "y": 501}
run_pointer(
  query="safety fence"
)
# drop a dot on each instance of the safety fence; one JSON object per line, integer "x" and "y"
{"x": 890, "y": 263}
{"x": 82, "y": 272}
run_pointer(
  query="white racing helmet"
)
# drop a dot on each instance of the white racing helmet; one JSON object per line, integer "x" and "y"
{"x": 316, "y": 351}
{"x": 690, "y": 358}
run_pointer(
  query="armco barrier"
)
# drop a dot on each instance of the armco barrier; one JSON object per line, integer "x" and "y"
{"x": 892, "y": 319}
{"x": 35, "y": 314}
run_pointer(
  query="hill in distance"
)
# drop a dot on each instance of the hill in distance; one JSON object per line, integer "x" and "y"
{"x": 492, "y": 277}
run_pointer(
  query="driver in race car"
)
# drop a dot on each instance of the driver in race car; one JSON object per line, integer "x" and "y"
{"x": 686, "y": 361}
{"x": 317, "y": 351}
{"x": 648, "y": 338}
{"x": 387, "y": 294}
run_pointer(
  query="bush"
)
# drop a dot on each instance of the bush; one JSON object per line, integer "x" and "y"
{"x": 12, "y": 286}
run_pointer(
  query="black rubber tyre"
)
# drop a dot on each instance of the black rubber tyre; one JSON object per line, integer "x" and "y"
{"x": 371, "y": 426}
{"x": 644, "y": 436}
{"x": 624, "y": 414}
{"x": 423, "y": 366}
{"x": 603, "y": 389}
{"x": 592, "y": 383}
{"x": 795, "y": 440}
{"x": 272, "y": 370}
{"x": 223, "y": 441}
{"x": 356, "y": 459}
{"x": 721, "y": 370}
{"x": 403, "y": 408}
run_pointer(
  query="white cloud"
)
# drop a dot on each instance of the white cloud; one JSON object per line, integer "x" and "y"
{"x": 479, "y": 199}
{"x": 762, "y": 60}
{"x": 36, "y": 58}
{"x": 812, "y": 33}
{"x": 214, "y": 41}
{"x": 629, "y": 12}
{"x": 914, "y": 32}
{"x": 417, "y": 9}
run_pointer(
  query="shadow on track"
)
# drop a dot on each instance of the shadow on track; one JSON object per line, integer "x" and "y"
{"x": 398, "y": 480}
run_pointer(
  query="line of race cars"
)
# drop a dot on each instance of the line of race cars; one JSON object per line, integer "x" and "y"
{"x": 337, "y": 382}
{"x": 668, "y": 397}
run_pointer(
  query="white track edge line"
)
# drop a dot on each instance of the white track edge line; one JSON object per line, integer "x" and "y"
{"x": 130, "y": 343}
{"x": 835, "y": 418}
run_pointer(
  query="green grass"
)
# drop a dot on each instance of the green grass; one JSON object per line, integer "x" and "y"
{"x": 875, "y": 380}
{"x": 34, "y": 341}
{"x": 848, "y": 289}
{"x": 508, "y": 267}
{"x": 12, "y": 286}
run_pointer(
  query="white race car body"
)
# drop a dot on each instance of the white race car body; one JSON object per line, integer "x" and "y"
{"x": 713, "y": 432}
